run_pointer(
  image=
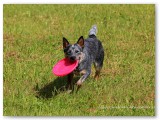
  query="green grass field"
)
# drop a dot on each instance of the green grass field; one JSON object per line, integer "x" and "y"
{"x": 33, "y": 44}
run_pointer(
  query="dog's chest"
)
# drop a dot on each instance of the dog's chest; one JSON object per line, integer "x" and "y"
{"x": 79, "y": 70}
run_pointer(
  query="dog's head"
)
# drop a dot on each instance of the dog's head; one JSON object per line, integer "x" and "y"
{"x": 73, "y": 52}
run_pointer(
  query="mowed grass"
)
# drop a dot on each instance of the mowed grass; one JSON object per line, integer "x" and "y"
{"x": 33, "y": 44}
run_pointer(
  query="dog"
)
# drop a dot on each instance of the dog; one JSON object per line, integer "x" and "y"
{"x": 86, "y": 51}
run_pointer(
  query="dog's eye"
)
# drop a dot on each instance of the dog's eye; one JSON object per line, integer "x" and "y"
{"x": 77, "y": 51}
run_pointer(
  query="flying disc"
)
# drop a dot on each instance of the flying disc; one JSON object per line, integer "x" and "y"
{"x": 64, "y": 67}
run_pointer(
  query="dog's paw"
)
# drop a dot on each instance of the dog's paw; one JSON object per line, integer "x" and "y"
{"x": 79, "y": 83}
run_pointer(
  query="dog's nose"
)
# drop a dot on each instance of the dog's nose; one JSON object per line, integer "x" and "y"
{"x": 73, "y": 58}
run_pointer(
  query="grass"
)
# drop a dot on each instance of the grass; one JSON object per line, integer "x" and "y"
{"x": 33, "y": 44}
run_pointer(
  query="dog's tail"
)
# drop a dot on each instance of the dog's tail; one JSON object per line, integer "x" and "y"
{"x": 93, "y": 31}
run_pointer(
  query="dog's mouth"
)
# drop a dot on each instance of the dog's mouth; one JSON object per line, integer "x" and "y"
{"x": 79, "y": 58}
{"x": 75, "y": 58}
{"x": 72, "y": 58}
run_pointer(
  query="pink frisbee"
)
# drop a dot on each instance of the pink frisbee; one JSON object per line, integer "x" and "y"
{"x": 64, "y": 67}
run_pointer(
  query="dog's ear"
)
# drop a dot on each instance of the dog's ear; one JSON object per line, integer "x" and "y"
{"x": 65, "y": 42}
{"x": 81, "y": 41}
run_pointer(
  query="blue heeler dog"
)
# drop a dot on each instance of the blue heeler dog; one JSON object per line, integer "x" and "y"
{"x": 87, "y": 51}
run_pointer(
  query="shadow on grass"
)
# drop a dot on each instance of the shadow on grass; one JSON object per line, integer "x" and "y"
{"x": 53, "y": 88}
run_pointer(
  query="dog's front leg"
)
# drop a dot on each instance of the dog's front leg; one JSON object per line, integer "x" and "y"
{"x": 85, "y": 74}
{"x": 69, "y": 81}
{"x": 82, "y": 79}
